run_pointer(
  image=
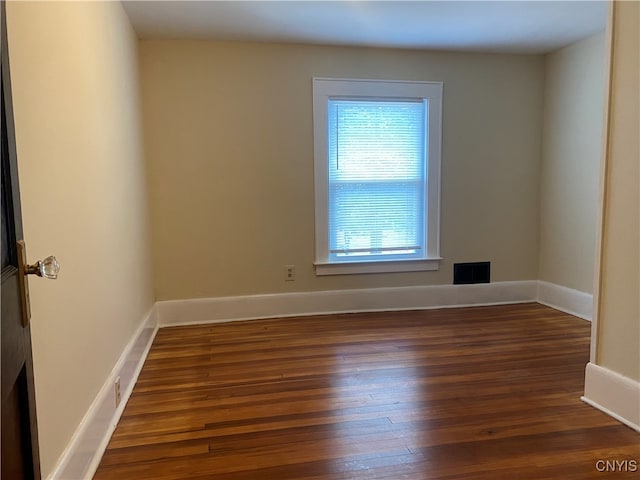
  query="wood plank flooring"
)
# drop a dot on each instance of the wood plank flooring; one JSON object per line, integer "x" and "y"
{"x": 471, "y": 393}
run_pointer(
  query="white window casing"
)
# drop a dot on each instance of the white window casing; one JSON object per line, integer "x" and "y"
{"x": 375, "y": 113}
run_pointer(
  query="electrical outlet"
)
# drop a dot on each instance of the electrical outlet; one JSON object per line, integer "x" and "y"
{"x": 289, "y": 273}
{"x": 117, "y": 391}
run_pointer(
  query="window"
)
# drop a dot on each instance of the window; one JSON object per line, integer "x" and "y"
{"x": 377, "y": 175}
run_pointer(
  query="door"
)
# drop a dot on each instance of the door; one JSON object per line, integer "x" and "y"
{"x": 19, "y": 439}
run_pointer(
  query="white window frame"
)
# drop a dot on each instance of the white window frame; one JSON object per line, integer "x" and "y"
{"x": 328, "y": 88}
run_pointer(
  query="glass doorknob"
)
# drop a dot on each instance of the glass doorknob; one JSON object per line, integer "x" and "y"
{"x": 47, "y": 268}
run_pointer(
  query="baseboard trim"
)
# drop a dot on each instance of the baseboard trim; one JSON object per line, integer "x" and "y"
{"x": 568, "y": 300}
{"x": 84, "y": 452}
{"x": 81, "y": 458}
{"x": 613, "y": 394}
{"x": 225, "y": 309}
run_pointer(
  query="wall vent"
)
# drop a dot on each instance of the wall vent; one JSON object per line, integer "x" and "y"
{"x": 472, "y": 272}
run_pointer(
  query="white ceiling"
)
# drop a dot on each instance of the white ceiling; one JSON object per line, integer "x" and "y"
{"x": 490, "y": 26}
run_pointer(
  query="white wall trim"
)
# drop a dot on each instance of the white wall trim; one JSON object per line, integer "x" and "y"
{"x": 603, "y": 182}
{"x": 566, "y": 299}
{"x": 614, "y": 394}
{"x": 225, "y": 309}
{"x": 82, "y": 456}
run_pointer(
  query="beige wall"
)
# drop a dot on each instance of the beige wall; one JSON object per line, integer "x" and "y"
{"x": 228, "y": 131}
{"x": 76, "y": 104}
{"x": 571, "y": 153}
{"x": 618, "y": 336}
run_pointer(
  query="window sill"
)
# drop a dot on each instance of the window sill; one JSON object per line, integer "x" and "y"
{"x": 380, "y": 266}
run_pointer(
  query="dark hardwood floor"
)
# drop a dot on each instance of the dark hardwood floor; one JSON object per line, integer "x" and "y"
{"x": 471, "y": 393}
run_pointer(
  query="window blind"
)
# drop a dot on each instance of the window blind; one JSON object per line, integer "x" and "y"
{"x": 376, "y": 178}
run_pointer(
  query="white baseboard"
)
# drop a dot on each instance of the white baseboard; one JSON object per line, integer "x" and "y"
{"x": 614, "y": 394}
{"x": 82, "y": 456}
{"x": 225, "y": 309}
{"x": 566, "y": 299}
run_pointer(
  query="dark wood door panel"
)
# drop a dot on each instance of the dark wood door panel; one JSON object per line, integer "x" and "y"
{"x": 11, "y": 335}
{"x": 16, "y": 440}
{"x": 19, "y": 439}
